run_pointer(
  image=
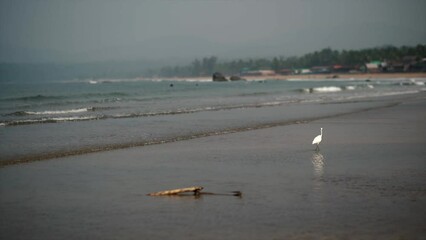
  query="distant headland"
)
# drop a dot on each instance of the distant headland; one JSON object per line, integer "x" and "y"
{"x": 327, "y": 63}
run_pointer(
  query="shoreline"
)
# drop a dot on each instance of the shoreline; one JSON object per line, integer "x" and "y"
{"x": 382, "y": 102}
{"x": 331, "y": 76}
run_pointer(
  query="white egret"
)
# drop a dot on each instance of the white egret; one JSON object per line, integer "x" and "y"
{"x": 317, "y": 140}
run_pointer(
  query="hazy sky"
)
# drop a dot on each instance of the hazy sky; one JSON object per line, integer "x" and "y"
{"x": 80, "y": 30}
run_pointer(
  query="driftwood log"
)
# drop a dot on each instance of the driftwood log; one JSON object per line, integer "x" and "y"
{"x": 196, "y": 190}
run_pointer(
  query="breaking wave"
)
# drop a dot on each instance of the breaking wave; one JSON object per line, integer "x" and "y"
{"x": 349, "y": 88}
{"x": 411, "y": 82}
{"x": 331, "y": 89}
{"x": 122, "y": 115}
{"x": 48, "y": 120}
{"x": 322, "y": 89}
{"x": 58, "y": 112}
{"x": 39, "y": 97}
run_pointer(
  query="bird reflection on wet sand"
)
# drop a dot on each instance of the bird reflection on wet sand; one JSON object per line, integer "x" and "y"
{"x": 318, "y": 162}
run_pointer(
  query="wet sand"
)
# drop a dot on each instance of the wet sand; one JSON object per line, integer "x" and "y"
{"x": 366, "y": 182}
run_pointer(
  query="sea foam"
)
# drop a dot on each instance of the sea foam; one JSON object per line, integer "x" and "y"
{"x": 55, "y": 112}
{"x": 322, "y": 89}
{"x": 49, "y": 120}
{"x": 78, "y": 110}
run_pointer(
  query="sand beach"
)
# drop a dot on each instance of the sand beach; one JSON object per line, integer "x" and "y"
{"x": 366, "y": 182}
{"x": 348, "y": 76}
{"x": 361, "y": 76}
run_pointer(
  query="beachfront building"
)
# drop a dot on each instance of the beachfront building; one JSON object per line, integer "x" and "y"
{"x": 258, "y": 73}
{"x": 302, "y": 71}
{"x": 321, "y": 70}
{"x": 286, "y": 71}
{"x": 413, "y": 64}
{"x": 395, "y": 66}
{"x": 343, "y": 69}
{"x": 407, "y": 64}
{"x": 374, "y": 66}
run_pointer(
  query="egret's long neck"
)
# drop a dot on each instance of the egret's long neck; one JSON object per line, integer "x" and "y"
{"x": 321, "y": 131}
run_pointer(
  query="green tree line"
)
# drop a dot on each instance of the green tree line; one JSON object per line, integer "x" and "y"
{"x": 326, "y": 57}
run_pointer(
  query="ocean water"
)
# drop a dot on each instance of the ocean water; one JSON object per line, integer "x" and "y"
{"x": 44, "y": 119}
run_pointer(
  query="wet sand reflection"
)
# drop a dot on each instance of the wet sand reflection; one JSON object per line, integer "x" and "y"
{"x": 318, "y": 162}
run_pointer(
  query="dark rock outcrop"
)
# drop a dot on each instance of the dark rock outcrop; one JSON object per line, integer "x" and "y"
{"x": 219, "y": 77}
{"x": 236, "y": 78}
